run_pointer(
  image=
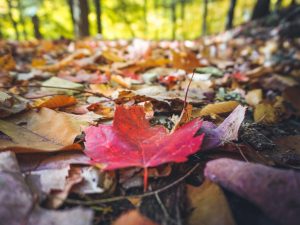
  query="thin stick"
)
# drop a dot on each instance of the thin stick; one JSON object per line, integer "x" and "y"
{"x": 241, "y": 152}
{"x": 118, "y": 198}
{"x": 63, "y": 88}
{"x": 187, "y": 90}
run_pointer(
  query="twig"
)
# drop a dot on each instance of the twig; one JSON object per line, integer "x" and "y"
{"x": 241, "y": 152}
{"x": 187, "y": 90}
{"x": 163, "y": 208}
{"x": 118, "y": 198}
{"x": 63, "y": 88}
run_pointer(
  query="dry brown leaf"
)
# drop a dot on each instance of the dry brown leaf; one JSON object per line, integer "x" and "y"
{"x": 46, "y": 130}
{"x": 57, "y": 102}
{"x": 16, "y": 195}
{"x": 209, "y": 205}
{"x": 217, "y": 108}
{"x": 133, "y": 217}
{"x": 57, "y": 198}
{"x": 291, "y": 95}
{"x": 185, "y": 117}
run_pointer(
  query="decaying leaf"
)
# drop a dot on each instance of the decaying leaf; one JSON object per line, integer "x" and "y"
{"x": 274, "y": 191}
{"x": 46, "y": 130}
{"x": 227, "y": 131}
{"x": 21, "y": 207}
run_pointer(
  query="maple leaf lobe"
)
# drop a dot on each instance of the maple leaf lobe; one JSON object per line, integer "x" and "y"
{"x": 131, "y": 141}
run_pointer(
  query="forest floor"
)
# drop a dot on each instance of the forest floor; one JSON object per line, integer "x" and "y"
{"x": 146, "y": 132}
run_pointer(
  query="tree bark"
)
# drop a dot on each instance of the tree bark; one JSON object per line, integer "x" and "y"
{"x": 293, "y": 3}
{"x": 71, "y": 7}
{"x": 145, "y": 18}
{"x": 36, "y": 26}
{"x": 230, "y": 15}
{"x": 14, "y": 23}
{"x": 204, "y": 19}
{"x": 128, "y": 23}
{"x": 98, "y": 7}
{"x": 278, "y": 5}
{"x": 261, "y": 9}
{"x": 173, "y": 18}
{"x": 20, "y": 8}
{"x": 81, "y": 12}
{"x": 182, "y": 10}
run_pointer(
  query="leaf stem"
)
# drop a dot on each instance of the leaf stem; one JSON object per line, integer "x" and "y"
{"x": 145, "y": 179}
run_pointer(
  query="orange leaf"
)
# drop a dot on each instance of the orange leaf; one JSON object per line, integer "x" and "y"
{"x": 58, "y": 101}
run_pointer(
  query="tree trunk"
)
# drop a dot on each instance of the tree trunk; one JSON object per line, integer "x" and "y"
{"x": 20, "y": 8}
{"x": 14, "y": 23}
{"x": 182, "y": 10}
{"x": 128, "y": 23}
{"x": 293, "y": 3}
{"x": 145, "y": 18}
{"x": 81, "y": 12}
{"x": 173, "y": 18}
{"x": 98, "y": 7}
{"x": 278, "y": 5}
{"x": 204, "y": 19}
{"x": 36, "y": 26}
{"x": 261, "y": 9}
{"x": 71, "y": 8}
{"x": 230, "y": 15}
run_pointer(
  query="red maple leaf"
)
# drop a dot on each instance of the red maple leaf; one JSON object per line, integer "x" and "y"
{"x": 131, "y": 141}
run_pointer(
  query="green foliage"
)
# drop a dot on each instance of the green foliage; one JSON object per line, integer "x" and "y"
{"x": 125, "y": 18}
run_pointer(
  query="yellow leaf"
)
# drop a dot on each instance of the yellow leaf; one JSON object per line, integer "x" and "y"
{"x": 57, "y": 101}
{"x": 269, "y": 113}
{"x": 265, "y": 113}
{"x": 254, "y": 97}
{"x": 37, "y": 62}
{"x": 209, "y": 204}
{"x": 218, "y": 108}
{"x": 112, "y": 56}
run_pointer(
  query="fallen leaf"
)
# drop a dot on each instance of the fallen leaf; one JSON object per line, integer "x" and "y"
{"x": 23, "y": 203}
{"x": 63, "y": 86}
{"x": 133, "y": 217}
{"x": 209, "y": 205}
{"x": 227, "y": 131}
{"x": 57, "y": 102}
{"x": 209, "y": 70}
{"x": 269, "y": 113}
{"x": 254, "y": 97}
{"x": 274, "y": 191}
{"x": 218, "y": 108}
{"x": 46, "y": 130}
{"x": 131, "y": 141}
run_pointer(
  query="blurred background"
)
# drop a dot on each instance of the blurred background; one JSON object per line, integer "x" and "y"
{"x": 127, "y": 19}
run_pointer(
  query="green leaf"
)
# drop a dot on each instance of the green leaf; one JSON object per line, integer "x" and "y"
{"x": 209, "y": 70}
